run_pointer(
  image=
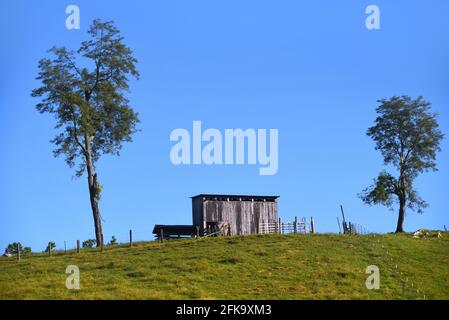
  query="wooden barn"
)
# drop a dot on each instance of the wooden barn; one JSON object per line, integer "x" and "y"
{"x": 233, "y": 214}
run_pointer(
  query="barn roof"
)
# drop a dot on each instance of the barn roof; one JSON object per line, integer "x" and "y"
{"x": 235, "y": 197}
{"x": 181, "y": 229}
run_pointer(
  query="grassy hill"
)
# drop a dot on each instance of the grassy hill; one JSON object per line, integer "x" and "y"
{"x": 249, "y": 267}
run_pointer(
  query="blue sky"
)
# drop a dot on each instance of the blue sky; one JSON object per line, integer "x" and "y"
{"x": 308, "y": 68}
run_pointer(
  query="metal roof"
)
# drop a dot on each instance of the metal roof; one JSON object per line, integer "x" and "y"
{"x": 235, "y": 196}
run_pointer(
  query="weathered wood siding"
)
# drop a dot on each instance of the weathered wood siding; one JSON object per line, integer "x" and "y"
{"x": 243, "y": 216}
{"x": 197, "y": 211}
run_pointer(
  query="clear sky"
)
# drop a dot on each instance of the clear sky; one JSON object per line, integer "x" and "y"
{"x": 308, "y": 68}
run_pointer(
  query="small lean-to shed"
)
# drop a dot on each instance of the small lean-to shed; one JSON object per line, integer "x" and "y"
{"x": 241, "y": 214}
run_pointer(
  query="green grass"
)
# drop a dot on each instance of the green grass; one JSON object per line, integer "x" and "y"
{"x": 248, "y": 267}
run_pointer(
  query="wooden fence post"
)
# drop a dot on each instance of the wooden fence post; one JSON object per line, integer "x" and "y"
{"x": 197, "y": 232}
{"x": 295, "y": 228}
{"x": 162, "y": 235}
{"x": 312, "y": 227}
{"x": 77, "y": 246}
{"x": 130, "y": 238}
{"x": 280, "y": 226}
{"x": 49, "y": 249}
{"x": 339, "y": 228}
{"x": 18, "y": 251}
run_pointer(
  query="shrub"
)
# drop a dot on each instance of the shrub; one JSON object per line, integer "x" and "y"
{"x": 113, "y": 241}
{"x": 26, "y": 250}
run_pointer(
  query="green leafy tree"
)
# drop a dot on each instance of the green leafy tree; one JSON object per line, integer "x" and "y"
{"x": 12, "y": 248}
{"x": 407, "y": 135}
{"x": 91, "y": 110}
{"x": 50, "y": 246}
{"x": 113, "y": 241}
{"x": 89, "y": 243}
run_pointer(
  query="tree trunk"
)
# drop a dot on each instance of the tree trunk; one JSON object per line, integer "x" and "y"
{"x": 401, "y": 216}
{"x": 94, "y": 194}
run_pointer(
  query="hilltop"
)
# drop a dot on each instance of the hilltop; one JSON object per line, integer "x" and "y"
{"x": 320, "y": 266}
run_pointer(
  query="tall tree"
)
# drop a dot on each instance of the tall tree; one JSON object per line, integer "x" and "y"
{"x": 407, "y": 134}
{"x": 88, "y": 102}
{"x": 12, "y": 248}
